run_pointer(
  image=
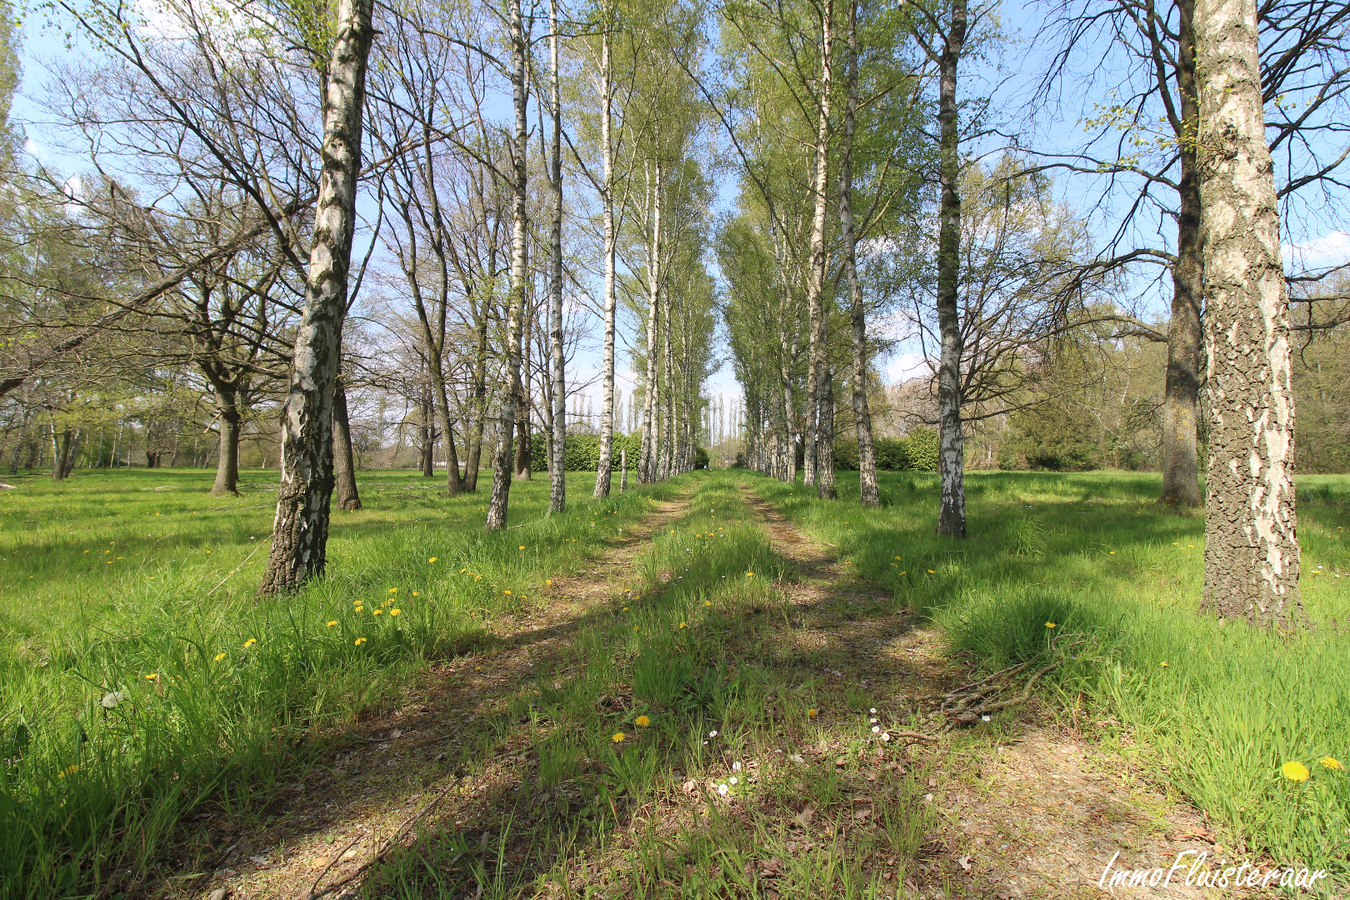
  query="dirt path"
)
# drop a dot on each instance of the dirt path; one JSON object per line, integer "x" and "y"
{"x": 1038, "y": 814}
{"x": 394, "y": 773}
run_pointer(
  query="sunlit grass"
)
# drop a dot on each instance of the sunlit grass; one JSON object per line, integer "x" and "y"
{"x": 1222, "y": 707}
{"x": 140, "y": 674}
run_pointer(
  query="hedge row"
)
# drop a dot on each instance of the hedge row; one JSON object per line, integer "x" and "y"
{"x": 915, "y": 452}
{"x": 581, "y": 453}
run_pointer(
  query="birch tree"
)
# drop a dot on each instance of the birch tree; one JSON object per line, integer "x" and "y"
{"x": 300, "y": 529}
{"x": 1251, "y": 545}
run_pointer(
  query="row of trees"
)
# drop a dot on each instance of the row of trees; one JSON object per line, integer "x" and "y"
{"x": 392, "y": 232}
{"x": 1000, "y": 285}
{"x": 242, "y": 222}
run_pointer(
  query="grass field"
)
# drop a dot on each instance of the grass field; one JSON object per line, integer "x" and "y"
{"x": 141, "y": 678}
{"x": 140, "y": 673}
{"x": 1217, "y": 709}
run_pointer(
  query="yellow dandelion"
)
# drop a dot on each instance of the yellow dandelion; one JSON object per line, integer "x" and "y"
{"x": 931, "y": 572}
{"x": 152, "y": 678}
{"x": 462, "y": 571}
{"x": 906, "y": 572}
{"x": 1050, "y": 625}
{"x": 707, "y": 603}
{"x": 642, "y": 721}
{"x": 1162, "y": 665}
{"x": 219, "y": 657}
{"x": 360, "y": 641}
{"x": 332, "y": 623}
{"x": 548, "y": 581}
{"x": 1331, "y": 762}
{"x": 393, "y": 590}
{"x": 812, "y": 713}
{"x": 684, "y": 624}
{"x": 618, "y": 737}
{"x": 1295, "y": 771}
{"x": 522, "y": 546}
{"x": 897, "y": 557}
{"x": 432, "y": 559}
{"x": 250, "y": 642}
{"x": 1113, "y": 553}
{"x": 749, "y": 574}
{"x": 379, "y": 612}
{"x": 506, "y": 592}
{"x": 415, "y": 594}
{"x": 394, "y": 612}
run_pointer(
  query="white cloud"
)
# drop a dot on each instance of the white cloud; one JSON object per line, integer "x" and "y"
{"x": 905, "y": 366}
{"x": 34, "y": 149}
{"x": 1328, "y": 250}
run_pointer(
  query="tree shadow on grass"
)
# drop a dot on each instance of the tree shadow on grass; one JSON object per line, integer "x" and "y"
{"x": 515, "y": 779}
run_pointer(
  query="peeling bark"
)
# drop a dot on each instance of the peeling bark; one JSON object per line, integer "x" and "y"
{"x": 557, "y": 477}
{"x": 951, "y": 450}
{"x": 501, "y": 455}
{"x": 606, "y": 461}
{"x": 869, "y": 492}
{"x": 300, "y": 529}
{"x": 1251, "y": 546}
{"x": 820, "y": 462}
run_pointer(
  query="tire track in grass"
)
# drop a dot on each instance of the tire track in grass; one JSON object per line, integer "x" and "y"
{"x": 441, "y": 758}
{"x": 1026, "y": 807}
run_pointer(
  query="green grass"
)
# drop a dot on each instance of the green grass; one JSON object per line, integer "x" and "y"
{"x": 140, "y": 675}
{"x": 696, "y": 672}
{"x": 1218, "y": 709}
{"x": 110, "y": 578}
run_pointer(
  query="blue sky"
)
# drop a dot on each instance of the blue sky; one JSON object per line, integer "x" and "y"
{"x": 1007, "y": 76}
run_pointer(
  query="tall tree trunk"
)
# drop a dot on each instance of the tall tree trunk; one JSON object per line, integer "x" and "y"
{"x": 647, "y": 458}
{"x": 300, "y": 529}
{"x": 602, "y": 474}
{"x": 60, "y": 452}
{"x": 1181, "y": 410}
{"x": 869, "y": 493}
{"x": 557, "y": 476}
{"x": 667, "y": 445}
{"x": 1251, "y": 545}
{"x": 501, "y": 455}
{"x": 227, "y": 462}
{"x": 475, "y": 452}
{"x": 428, "y": 429}
{"x": 822, "y": 437}
{"x": 951, "y": 449}
{"x": 524, "y": 404}
{"x": 344, "y": 461}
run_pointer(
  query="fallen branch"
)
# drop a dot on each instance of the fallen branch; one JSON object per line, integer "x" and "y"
{"x": 972, "y": 702}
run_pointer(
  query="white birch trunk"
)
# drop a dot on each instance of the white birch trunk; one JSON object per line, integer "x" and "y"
{"x": 1251, "y": 546}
